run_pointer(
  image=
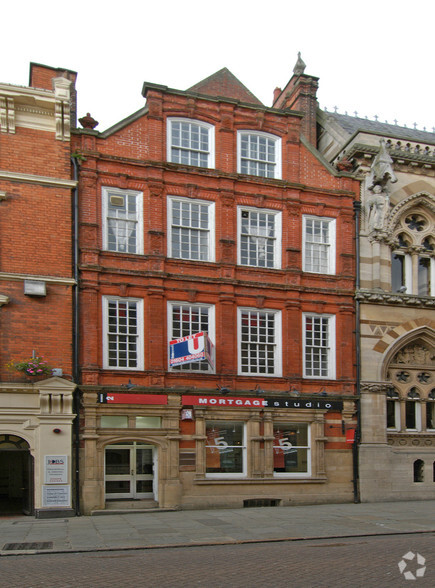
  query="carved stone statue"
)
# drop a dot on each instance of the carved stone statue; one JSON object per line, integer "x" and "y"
{"x": 376, "y": 207}
{"x": 377, "y": 199}
{"x": 300, "y": 66}
{"x": 381, "y": 170}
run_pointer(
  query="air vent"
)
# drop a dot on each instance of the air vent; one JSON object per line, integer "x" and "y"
{"x": 28, "y": 546}
{"x": 252, "y": 502}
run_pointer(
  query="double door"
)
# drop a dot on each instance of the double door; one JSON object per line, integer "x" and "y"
{"x": 129, "y": 471}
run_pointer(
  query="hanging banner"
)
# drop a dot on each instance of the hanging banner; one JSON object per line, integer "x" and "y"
{"x": 191, "y": 348}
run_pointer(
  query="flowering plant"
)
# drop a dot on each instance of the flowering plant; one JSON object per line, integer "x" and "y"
{"x": 35, "y": 366}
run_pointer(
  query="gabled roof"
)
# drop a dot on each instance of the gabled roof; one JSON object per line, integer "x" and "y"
{"x": 352, "y": 124}
{"x": 224, "y": 83}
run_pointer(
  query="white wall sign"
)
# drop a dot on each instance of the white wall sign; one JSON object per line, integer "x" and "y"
{"x": 56, "y": 469}
{"x": 56, "y": 496}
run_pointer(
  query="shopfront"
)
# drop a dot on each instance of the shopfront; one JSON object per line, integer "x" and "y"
{"x": 193, "y": 451}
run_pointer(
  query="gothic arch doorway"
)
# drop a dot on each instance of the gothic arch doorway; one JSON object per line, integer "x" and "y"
{"x": 16, "y": 476}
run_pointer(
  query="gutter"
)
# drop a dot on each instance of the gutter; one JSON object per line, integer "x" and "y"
{"x": 357, "y": 439}
{"x": 75, "y": 335}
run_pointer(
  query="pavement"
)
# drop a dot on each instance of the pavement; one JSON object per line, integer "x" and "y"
{"x": 183, "y": 528}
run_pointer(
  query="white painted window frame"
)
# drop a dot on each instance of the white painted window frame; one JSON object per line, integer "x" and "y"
{"x": 331, "y": 355}
{"x": 277, "y": 257}
{"x": 211, "y": 139}
{"x": 211, "y": 231}
{"x": 140, "y": 335}
{"x": 306, "y": 474}
{"x": 107, "y": 191}
{"x": 236, "y": 475}
{"x": 211, "y": 331}
{"x": 278, "y": 152}
{"x": 331, "y": 270}
{"x": 278, "y": 343}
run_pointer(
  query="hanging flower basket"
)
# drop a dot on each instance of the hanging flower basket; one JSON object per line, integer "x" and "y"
{"x": 32, "y": 367}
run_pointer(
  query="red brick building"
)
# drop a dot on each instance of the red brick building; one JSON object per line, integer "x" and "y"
{"x": 36, "y": 291}
{"x": 207, "y": 212}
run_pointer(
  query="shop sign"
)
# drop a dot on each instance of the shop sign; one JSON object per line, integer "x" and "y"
{"x": 120, "y": 398}
{"x": 55, "y": 496}
{"x": 320, "y": 403}
{"x": 191, "y": 348}
{"x": 55, "y": 469}
{"x": 222, "y": 401}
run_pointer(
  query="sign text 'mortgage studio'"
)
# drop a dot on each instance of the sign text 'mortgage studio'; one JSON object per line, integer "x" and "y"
{"x": 277, "y": 402}
{"x": 223, "y": 401}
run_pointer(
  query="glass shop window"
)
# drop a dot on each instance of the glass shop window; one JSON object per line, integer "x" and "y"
{"x": 225, "y": 448}
{"x": 291, "y": 448}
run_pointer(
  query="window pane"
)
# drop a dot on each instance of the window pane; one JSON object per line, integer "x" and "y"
{"x": 397, "y": 272}
{"x": 410, "y": 407}
{"x": 257, "y": 155}
{"x": 190, "y": 233}
{"x": 257, "y": 238}
{"x": 224, "y": 447}
{"x": 391, "y": 414}
{"x": 122, "y": 222}
{"x": 148, "y": 422}
{"x": 188, "y": 320}
{"x": 291, "y": 448}
{"x": 123, "y": 334}
{"x": 258, "y": 342}
{"x": 190, "y": 144}
{"x": 316, "y": 346}
{"x": 114, "y": 422}
{"x": 317, "y": 245}
{"x": 424, "y": 276}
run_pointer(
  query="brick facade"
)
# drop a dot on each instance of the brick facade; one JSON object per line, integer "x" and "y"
{"x": 131, "y": 157}
{"x": 35, "y": 249}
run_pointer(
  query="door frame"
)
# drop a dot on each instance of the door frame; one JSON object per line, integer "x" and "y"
{"x": 132, "y": 476}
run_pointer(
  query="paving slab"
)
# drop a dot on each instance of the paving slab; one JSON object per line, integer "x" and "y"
{"x": 148, "y": 529}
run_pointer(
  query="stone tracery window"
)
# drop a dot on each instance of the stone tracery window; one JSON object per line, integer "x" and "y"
{"x": 411, "y": 397}
{"x": 413, "y": 254}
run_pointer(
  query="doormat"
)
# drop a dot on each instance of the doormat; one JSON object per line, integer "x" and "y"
{"x": 28, "y": 546}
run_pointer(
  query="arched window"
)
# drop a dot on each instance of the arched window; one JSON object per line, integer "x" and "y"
{"x": 418, "y": 470}
{"x": 412, "y": 257}
{"x": 410, "y": 369}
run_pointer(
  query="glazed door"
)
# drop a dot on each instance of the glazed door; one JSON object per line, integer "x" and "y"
{"x": 129, "y": 471}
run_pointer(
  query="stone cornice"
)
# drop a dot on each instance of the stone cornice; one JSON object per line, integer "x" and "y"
{"x": 50, "y": 279}
{"x": 399, "y": 156}
{"x": 391, "y": 298}
{"x": 34, "y": 179}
